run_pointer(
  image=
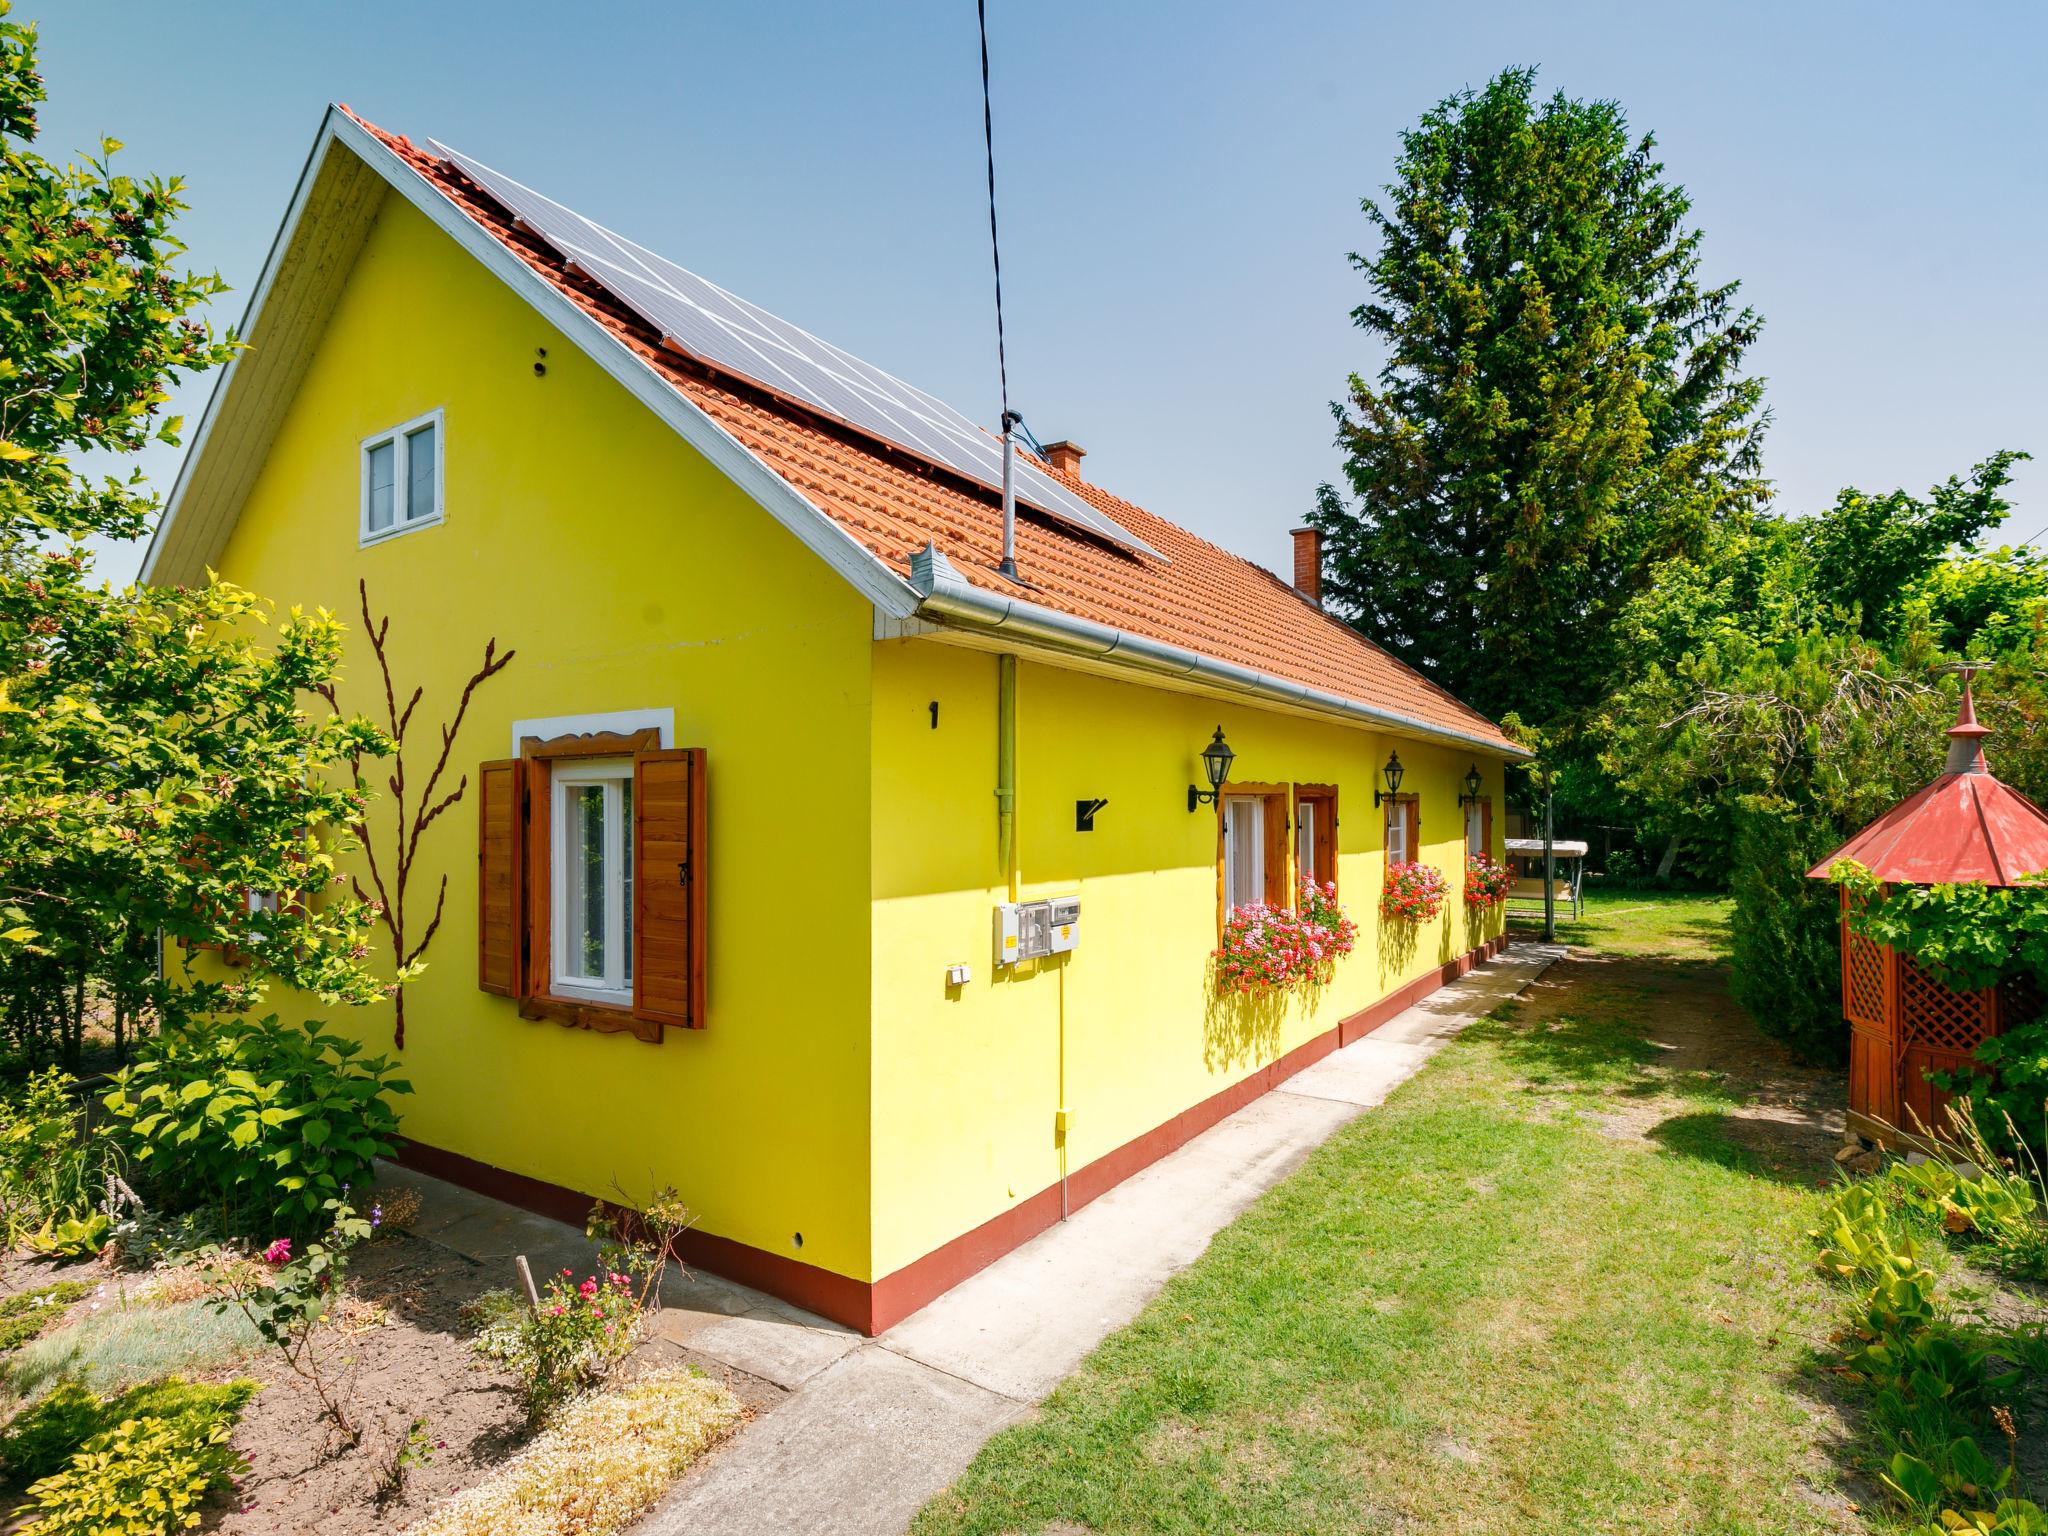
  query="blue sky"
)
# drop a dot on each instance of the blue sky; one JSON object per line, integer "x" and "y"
{"x": 1179, "y": 187}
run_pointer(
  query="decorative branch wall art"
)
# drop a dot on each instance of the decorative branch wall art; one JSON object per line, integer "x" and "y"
{"x": 391, "y": 871}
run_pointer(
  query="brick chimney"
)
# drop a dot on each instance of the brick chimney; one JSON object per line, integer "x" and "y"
{"x": 1308, "y": 564}
{"x": 1065, "y": 457}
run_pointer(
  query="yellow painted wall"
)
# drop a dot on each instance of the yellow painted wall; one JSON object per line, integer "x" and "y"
{"x": 967, "y": 1080}
{"x": 626, "y": 573}
{"x": 840, "y": 1090}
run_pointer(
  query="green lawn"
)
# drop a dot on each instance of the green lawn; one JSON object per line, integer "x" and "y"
{"x": 1558, "y": 1283}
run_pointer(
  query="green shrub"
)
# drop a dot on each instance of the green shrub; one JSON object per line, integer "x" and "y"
{"x": 1786, "y": 958}
{"x": 53, "y": 1171}
{"x": 267, "y": 1122}
{"x": 145, "y": 1476}
{"x": 1928, "y": 1374}
{"x": 1974, "y": 1194}
{"x": 49, "y": 1432}
{"x": 123, "y": 1347}
{"x": 25, "y": 1314}
{"x": 569, "y": 1343}
{"x": 2011, "y": 1517}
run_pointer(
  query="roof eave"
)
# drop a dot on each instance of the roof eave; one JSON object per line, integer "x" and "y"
{"x": 947, "y": 598}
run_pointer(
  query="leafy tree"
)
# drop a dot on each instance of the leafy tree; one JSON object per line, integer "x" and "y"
{"x": 1990, "y": 604}
{"x": 1892, "y": 580}
{"x": 155, "y": 766}
{"x": 1788, "y": 694}
{"x": 1562, "y": 404}
{"x": 1865, "y": 553}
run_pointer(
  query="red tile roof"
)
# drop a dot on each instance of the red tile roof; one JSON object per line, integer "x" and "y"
{"x": 1967, "y": 827}
{"x": 1201, "y": 598}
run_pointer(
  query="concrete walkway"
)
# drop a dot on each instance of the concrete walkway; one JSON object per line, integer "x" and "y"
{"x": 872, "y": 1428}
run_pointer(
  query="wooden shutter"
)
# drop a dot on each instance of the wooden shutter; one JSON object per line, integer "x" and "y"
{"x": 1324, "y": 798}
{"x": 1279, "y": 846}
{"x": 669, "y": 886}
{"x": 500, "y": 882}
{"x": 1486, "y": 826}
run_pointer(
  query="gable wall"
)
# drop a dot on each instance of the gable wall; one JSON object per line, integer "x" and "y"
{"x": 627, "y": 574}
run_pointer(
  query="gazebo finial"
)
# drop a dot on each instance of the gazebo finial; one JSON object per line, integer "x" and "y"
{"x": 1966, "y": 736}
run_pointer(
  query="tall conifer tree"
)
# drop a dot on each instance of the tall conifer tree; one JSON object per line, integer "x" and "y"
{"x": 1562, "y": 404}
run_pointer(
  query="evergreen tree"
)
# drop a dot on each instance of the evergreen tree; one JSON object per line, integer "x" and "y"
{"x": 1562, "y": 404}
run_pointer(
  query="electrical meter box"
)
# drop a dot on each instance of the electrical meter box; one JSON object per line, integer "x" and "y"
{"x": 1065, "y": 923}
{"x": 1031, "y": 930}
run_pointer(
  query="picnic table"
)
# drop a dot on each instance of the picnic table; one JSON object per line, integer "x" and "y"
{"x": 1525, "y": 857}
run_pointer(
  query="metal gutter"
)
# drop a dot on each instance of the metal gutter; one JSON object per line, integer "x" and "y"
{"x": 946, "y": 597}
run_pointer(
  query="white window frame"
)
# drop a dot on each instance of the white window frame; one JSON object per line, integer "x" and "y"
{"x": 1475, "y": 829}
{"x": 615, "y": 987}
{"x": 1398, "y": 852}
{"x": 401, "y": 483}
{"x": 1254, "y": 826}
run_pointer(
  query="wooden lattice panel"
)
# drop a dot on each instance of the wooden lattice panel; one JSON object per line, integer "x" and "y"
{"x": 1863, "y": 980}
{"x": 2019, "y": 1002}
{"x": 1931, "y": 1015}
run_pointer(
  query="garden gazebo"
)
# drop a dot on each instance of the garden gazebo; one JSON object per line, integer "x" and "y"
{"x": 1964, "y": 827}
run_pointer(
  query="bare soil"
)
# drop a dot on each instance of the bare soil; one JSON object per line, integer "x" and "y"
{"x": 400, "y": 1341}
{"x": 1788, "y": 1113}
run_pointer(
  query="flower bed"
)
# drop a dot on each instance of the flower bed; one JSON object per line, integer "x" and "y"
{"x": 1414, "y": 893}
{"x": 1486, "y": 882}
{"x": 1267, "y": 948}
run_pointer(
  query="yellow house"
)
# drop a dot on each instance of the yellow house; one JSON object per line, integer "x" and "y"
{"x": 805, "y": 859}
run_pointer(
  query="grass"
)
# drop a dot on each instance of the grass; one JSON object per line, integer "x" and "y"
{"x": 603, "y": 1463}
{"x": 1543, "y": 1289}
{"x": 28, "y": 1314}
{"x": 120, "y": 1347}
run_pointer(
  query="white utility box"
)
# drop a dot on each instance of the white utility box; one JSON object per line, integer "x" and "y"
{"x": 1066, "y": 923}
{"x": 1031, "y": 930}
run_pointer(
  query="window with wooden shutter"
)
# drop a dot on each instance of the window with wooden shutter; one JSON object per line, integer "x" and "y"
{"x": 1403, "y": 829}
{"x": 1251, "y": 847}
{"x": 591, "y": 890}
{"x": 1479, "y": 827}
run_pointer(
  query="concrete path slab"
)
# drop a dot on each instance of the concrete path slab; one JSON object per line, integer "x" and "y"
{"x": 1027, "y": 1320}
{"x": 859, "y": 1449}
{"x": 1364, "y": 1072}
{"x": 760, "y": 1342}
{"x": 873, "y": 1431}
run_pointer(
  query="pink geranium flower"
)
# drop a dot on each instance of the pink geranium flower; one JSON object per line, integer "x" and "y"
{"x": 278, "y": 1253}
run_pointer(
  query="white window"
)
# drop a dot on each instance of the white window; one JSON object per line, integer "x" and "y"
{"x": 402, "y": 478}
{"x": 1475, "y": 827}
{"x": 1398, "y": 824}
{"x": 592, "y": 880}
{"x": 1304, "y": 840}
{"x": 1244, "y": 849}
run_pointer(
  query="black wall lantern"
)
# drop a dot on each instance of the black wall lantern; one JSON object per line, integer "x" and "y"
{"x": 1216, "y": 760}
{"x": 1393, "y": 772}
{"x": 1473, "y": 784}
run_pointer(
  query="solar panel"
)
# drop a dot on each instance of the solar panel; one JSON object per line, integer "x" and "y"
{"x": 701, "y": 320}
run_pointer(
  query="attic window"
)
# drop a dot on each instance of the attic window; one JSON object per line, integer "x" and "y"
{"x": 402, "y": 478}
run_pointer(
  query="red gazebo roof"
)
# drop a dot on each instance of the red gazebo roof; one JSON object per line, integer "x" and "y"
{"x": 1964, "y": 827}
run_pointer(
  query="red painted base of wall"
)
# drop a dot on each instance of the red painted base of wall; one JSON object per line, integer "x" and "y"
{"x": 873, "y": 1307}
